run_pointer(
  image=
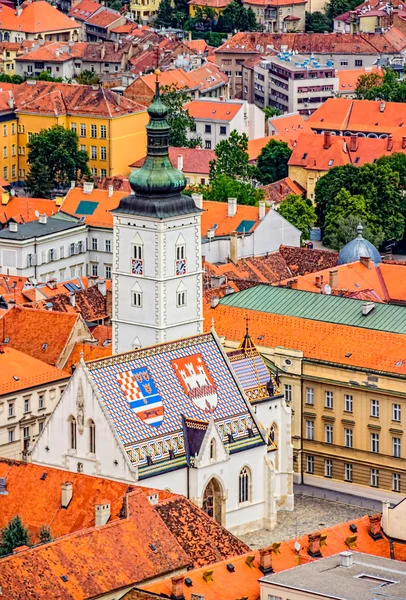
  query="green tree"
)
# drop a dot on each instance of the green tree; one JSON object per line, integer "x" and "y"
{"x": 299, "y": 212}
{"x": 232, "y": 157}
{"x": 164, "y": 14}
{"x": 367, "y": 84}
{"x": 57, "y": 148}
{"x": 235, "y": 17}
{"x": 317, "y": 22}
{"x": 224, "y": 187}
{"x": 334, "y": 8}
{"x": 87, "y": 77}
{"x": 179, "y": 119}
{"x": 13, "y": 535}
{"x": 38, "y": 181}
{"x": 388, "y": 87}
{"x": 44, "y": 534}
{"x": 346, "y": 230}
{"x": 397, "y": 162}
{"x": 45, "y": 76}
{"x": 272, "y": 163}
{"x": 271, "y": 111}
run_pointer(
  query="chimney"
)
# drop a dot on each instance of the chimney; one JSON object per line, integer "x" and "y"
{"x": 327, "y": 140}
{"x": 265, "y": 560}
{"x": 234, "y": 248}
{"x": 354, "y": 142}
{"x": 314, "y": 544}
{"x": 101, "y": 284}
{"x": 232, "y": 207}
{"x": 382, "y": 106}
{"x": 88, "y": 187}
{"x": 43, "y": 219}
{"x": 67, "y": 492}
{"x": 346, "y": 559}
{"x": 177, "y": 587}
{"x": 72, "y": 299}
{"x": 180, "y": 162}
{"x": 390, "y": 143}
{"x": 375, "y": 527}
{"x": 333, "y": 278}
{"x": 92, "y": 280}
{"x": 198, "y": 198}
{"x": 318, "y": 281}
{"x": 13, "y": 226}
{"x": 101, "y": 513}
{"x": 261, "y": 209}
{"x": 110, "y": 190}
{"x": 214, "y": 301}
{"x": 365, "y": 260}
{"x": 51, "y": 283}
{"x": 72, "y": 184}
{"x": 404, "y": 142}
{"x": 366, "y": 308}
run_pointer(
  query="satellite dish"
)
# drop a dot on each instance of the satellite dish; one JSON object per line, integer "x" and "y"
{"x": 36, "y": 213}
{"x": 12, "y": 192}
{"x": 327, "y": 289}
{"x": 297, "y": 546}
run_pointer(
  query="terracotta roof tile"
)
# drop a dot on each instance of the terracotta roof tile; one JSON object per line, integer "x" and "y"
{"x": 103, "y": 334}
{"x": 348, "y": 79}
{"x": 11, "y": 288}
{"x": 216, "y": 213}
{"x": 19, "y": 371}
{"x": 289, "y": 127}
{"x": 90, "y": 352}
{"x": 195, "y": 160}
{"x": 77, "y": 203}
{"x": 198, "y": 46}
{"x": 119, "y": 183}
{"x": 42, "y": 334}
{"x": 23, "y": 210}
{"x": 200, "y": 536}
{"x": 104, "y": 18}
{"x": 213, "y": 110}
{"x": 36, "y": 17}
{"x": 84, "y": 9}
{"x": 277, "y": 192}
{"x": 302, "y": 260}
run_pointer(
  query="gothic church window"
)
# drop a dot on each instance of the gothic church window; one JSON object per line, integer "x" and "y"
{"x": 72, "y": 432}
{"x": 244, "y": 485}
{"x": 213, "y": 450}
{"x": 92, "y": 437}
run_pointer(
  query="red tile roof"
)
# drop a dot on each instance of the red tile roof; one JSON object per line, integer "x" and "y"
{"x": 208, "y": 76}
{"x": 23, "y": 210}
{"x": 104, "y": 18}
{"x": 277, "y": 192}
{"x": 213, "y": 110}
{"x": 19, "y": 371}
{"x": 36, "y": 17}
{"x": 360, "y": 115}
{"x": 102, "y": 216}
{"x": 119, "y": 183}
{"x": 103, "y": 334}
{"x": 216, "y": 213}
{"x": 348, "y": 79}
{"x": 42, "y": 334}
{"x": 84, "y": 9}
{"x": 11, "y": 288}
{"x": 197, "y": 46}
{"x": 195, "y": 160}
{"x": 289, "y": 127}
{"x": 90, "y": 351}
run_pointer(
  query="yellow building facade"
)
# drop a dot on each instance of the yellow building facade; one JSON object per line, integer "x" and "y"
{"x": 307, "y": 178}
{"x": 9, "y": 149}
{"x": 108, "y": 141}
{"x": 143, "y": 10}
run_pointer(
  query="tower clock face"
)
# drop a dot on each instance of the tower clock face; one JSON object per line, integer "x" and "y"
{"x": 137, "y": 267}
{"x": 181, "y": 267}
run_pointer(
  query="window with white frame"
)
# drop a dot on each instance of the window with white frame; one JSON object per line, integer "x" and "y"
{"x": 107, "y": 271}
{"x": 83, "y": 130}
{"x": 138, "y": 251}
{"x": 26, "y": 405}
{"x": 374, "y": 408}
{"x": 62, "y": 252}
{"x": 11, "y": 412}
{"x": 396, "y": 447}
{"x": 328, "y": 434}
{"x": 348, "y": 403}
{"x": 72, "y": 432}
{"x": 40, "y": 426}
{"x": 10, "y": 435}
{"x": 181, "y": 298}
{"x": 72, "y": 249}
{"x": 108, "y": 245}
{"x": 41, "y": 401}
{"x": 92, "y": 437}
{"x": 328, "y": 399}
{"x": 374, "y": 442}
{"x": 348, "y": 438}
{"x": 310, "y": 464}
{"x": 310, "y": 395}
{"x": 244, "y": 485}
{"x": 137, "y": 299}
{"x": 103, "y": 153}
{"x": 310, "y": 430}
{"x": 396, "y": 482}
{"x": 374, "y": 477}
{"x": 93, "y": 131}
{"x": 103, "y": 132}
{"x": 288, "y": 392}
{"x": 328, "y": 467}
{"x": 94, "y": 244}
{"x": 180, "y": 251}
{"x": 93, "y": 152}
{"x": 396, "y": 412}
{"x": 347, "y": 471}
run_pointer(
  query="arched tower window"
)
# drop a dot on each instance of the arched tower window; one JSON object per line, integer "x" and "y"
{"x": 72, "y": 432}
{"x": 244, "y": 490}
{"x": 213, "y": 450}
{"x": 92, "y": 437}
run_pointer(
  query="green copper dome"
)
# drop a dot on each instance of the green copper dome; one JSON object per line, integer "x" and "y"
{"x": 157, "y": 186}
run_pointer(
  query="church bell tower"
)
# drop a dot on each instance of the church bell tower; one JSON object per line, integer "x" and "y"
{"x": 157, "y": 273}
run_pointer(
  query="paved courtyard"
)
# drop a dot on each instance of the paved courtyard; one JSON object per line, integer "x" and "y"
{"x": 310, "y": 514}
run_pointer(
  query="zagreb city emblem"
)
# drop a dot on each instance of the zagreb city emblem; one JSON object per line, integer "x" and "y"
{"x": 142, "y": 395}
{"x": 196, "y": 381}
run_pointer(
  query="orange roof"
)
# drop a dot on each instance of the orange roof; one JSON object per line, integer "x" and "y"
{"x": 23, "y": 210}
{"x": 208, "y": 76}
{"x": 84, "y": 9}
{"x": 36, "y": 17}
{"x": 243, "y": 581}
{"x": 216, "y": 213}
{"x": 104, "y": 18}
{"x": 288, "y": 127}
{"x": 103, "y": 334}
{"x": 198, "y": 46}
{"x": 42, "y": 334}
{"x": 387, "y": 280}
{"x": 278, "y": 190}
{"x": 341, "y": 114}
{"x": 255, "y": 147}
{"x": 90, "y": 352}
{"x": 195, "y": 160}
{"x": 312, "y": 152}
{"x": 19, "y": 371}
{"x": 11, "y": 287}
{"x": 320, "y": 341}
{"x": 95, "y": 561}
{"x": 177, "y": 77}
{"x": 38, "y": 501}
{"x": 213, "y": 110}
{"x": 348, "y": 80}
{"x": 99, "y": 199}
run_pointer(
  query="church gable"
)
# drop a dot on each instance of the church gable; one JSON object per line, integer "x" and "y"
{"x": 146, "y": 393}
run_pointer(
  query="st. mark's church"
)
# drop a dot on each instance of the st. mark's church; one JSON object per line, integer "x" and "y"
{"x": 170, "y": 409}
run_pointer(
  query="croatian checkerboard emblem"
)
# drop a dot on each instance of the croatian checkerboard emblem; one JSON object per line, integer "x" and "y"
{"x": 196, "y": 381}
{"x": 142, "y": 395}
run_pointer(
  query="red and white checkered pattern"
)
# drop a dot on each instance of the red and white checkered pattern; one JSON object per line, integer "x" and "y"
{"x": 130, "y": 386}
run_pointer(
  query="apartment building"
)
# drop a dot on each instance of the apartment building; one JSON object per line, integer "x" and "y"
{"x": 29, "y": 391}
{"x": 279, "y": 17}
{"x": 293, "y": 83}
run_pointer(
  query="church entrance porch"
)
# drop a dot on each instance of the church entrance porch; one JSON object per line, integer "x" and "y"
{"x": 212, "y": 500}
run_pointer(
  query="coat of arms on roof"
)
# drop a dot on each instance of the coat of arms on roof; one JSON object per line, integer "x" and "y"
{"x": 142, "y": 395}
{"x": 196, "y": 381}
